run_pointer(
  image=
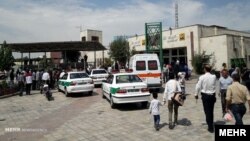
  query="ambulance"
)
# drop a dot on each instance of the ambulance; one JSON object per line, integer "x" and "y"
{"x": 147, "y": 67}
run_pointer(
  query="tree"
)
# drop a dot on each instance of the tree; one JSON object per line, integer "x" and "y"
{"x": 72, "y": 55}
{"x": 200, "y": 60}
{"x": 6, "y": 59}
{"x": 119, "y": 50}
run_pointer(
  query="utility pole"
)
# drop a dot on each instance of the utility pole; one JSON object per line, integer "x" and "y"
{"x": 176, "y": 14}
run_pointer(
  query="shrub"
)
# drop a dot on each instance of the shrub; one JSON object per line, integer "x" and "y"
{"x": 199, "y": 60}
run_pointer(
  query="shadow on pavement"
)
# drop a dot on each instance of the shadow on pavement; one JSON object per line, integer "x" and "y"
{"x": 184, "y": 122}
{"x": 130, "y": 107}
{"x": 162, "y": 125}
{"x": 219, "y": 122}
{"x": 77, "y": 95}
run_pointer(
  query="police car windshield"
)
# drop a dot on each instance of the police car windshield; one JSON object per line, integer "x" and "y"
{"x": 78, "y": 75}
{"x": 127, "y": 79}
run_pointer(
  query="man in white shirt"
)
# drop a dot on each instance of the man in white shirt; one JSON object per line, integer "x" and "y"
{"x": 171, "y": 87}
{"x": 45, "y": 80}
{"x": 46, "y": 77}
{"x": 207, "y": 87}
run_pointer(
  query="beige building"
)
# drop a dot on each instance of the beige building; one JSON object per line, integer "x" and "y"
{"x": 93, "y": 35}
{"x": 229, "y": 46}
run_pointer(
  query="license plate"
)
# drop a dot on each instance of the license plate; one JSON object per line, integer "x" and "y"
{"x": 133, "y": 90}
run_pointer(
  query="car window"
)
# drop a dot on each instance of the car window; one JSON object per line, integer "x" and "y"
{"x": 99, "y": 72}
{"x": 65, "y": 76}
{"x": 152, "y": 65}
{"x": 78, "y": 75}
{"x": 140, "y": 65}
{"x": 127, "y": 79}
{"x": 110, "y": 79}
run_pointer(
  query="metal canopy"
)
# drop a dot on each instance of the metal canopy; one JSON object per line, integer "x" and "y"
{"x": 56, "y": 46}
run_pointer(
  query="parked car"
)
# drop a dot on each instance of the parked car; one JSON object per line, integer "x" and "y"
{"x": 98, "y": 75}
{"x": 125, "y": 88}
{"x": 76, "y": 82}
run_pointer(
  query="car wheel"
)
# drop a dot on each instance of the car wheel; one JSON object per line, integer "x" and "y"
{"x": 144, "y": 104}
{"x": 91, "y": 93}
{"x": 66, "y": 92}
{"x": 103, "y": 96}
{"x": 112, "y": 104}
{"x": 59, "y": 90}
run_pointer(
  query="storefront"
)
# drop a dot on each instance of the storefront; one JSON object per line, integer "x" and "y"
{"x": 184, "y": 42}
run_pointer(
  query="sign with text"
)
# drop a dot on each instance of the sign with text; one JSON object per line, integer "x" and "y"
{"x": 232, "y": 132}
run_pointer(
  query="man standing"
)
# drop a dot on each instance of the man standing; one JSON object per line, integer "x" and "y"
{"x": 207, "y": 87}
{"x": 237, "y": 95}
{"x": 28, "y": 81}
{"x": 225, "y": 81}
{"x": 45, "y": 80}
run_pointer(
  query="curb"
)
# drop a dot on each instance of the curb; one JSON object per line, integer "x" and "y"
{"x": 9, "y": 95}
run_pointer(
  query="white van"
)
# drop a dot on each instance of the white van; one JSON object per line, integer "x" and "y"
{"x": 147, "y": 67}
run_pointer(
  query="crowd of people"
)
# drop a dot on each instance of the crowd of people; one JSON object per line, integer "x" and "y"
{"x": 29, "y": 79}
{"x": 233, "y": 94}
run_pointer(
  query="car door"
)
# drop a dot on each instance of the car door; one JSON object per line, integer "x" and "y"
{"x": 107, "y": 85}
{"x": 62, "y": 82}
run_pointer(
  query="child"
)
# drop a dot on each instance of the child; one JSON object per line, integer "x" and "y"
{"x": 154, "y": 109}
{"x": 181, "y": 80}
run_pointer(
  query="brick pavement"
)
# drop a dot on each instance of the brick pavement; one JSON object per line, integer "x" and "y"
{"x": 90, "y": 118}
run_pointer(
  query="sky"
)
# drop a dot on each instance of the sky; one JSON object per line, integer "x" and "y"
{"x": 60, "y": 20}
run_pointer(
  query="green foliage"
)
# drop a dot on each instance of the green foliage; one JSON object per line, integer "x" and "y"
{"x": 6, "y": 59}
{"x": 4, "y": 84}
{"x": 107, "y": 62}
{"x": 119, "y": 50}
{"x": 200, "y": 60}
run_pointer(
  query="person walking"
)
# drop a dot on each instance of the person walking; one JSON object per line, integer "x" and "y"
{"x": 165, "y": 71}
{"x": 154, "y": 109}
{"x": 237, "y": 95}
{"x": 181, "y": 80}
{"x": 171, "y": 87}
{"x": 45, "y": 80}
{"x": 20, "y": 80}
{"x": 225, "y": 80}
{"x": 37, "y": 80}
{"x": 12, "y": 77}
{"x": 206, "y": 85}
{"x": 28, "y": 81}
{"x": 34, "y": 80}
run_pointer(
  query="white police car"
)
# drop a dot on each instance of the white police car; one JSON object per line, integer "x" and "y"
{"x": 98, "y": 75}
{"x": 125, "y": 88}
{"x": 76, "y": 82}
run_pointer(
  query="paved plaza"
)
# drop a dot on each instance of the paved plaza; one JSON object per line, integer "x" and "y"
{"x": 90, "y": 118}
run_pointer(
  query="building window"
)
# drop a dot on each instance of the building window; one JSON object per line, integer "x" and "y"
{"x": 174, "y": 52}
{"x": 95, "y": 38}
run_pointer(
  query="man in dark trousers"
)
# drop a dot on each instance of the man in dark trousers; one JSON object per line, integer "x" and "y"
{"x": 206, "y": 85}
{"x": 237, "y": 96}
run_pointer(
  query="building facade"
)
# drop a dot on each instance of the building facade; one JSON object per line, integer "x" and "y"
{"x": 95, "y": 58}
{"x": 228, "y": 46}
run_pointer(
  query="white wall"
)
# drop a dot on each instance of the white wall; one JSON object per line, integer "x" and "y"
{"x": 218, "y": 46}
{"x": 89, "y": 33}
